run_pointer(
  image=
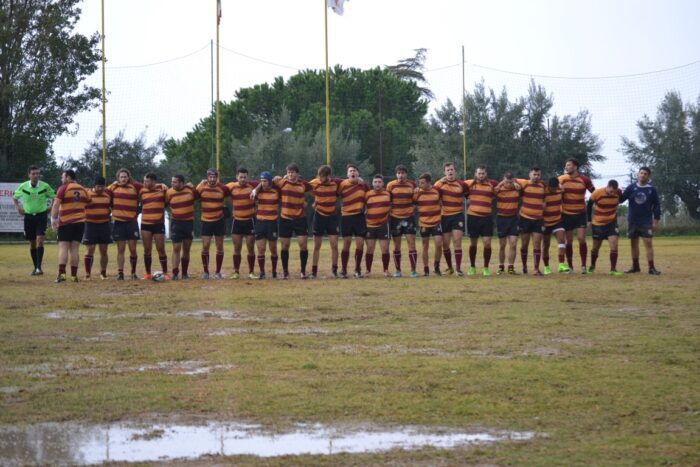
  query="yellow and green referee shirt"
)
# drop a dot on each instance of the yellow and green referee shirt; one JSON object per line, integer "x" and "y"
{"x": 35, "y": 199}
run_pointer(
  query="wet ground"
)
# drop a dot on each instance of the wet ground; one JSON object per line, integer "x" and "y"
{"x": 73, "y": 443}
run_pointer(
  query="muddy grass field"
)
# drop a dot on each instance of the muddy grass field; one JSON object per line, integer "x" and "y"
{"x": 595, "y": 369}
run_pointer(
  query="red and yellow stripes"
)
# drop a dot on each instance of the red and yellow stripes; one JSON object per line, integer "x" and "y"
{"x": 428, "y": 202}
{"x": 292, "y": 197}
{"x": 268, "y": 204}
{"x": 181, "y": 203}
{"x": 152, "y": 205}
{"x": 125, "y": 199}
{"x": 212, "y": 200}
{"x": 378, "y": 208}
{"x": 507, "y": 202}
{"x": 353, "y": 196}
{"x": 97, "y": 210}
{"x": 73, "y": 199}
{"x": 243, "y": 206}
{"x": 604, "y": 207}
{"x": 552, "y": 207}
{"x": 574, "y": 198}
{"x": 401, "y": 198}
{"x": 481, "y": 196}
{"x": 532, "y": 194}
{"x": 452, "y": 194}
{"x": 325, "y": 195}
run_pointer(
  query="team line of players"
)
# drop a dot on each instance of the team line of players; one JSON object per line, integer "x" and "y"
{"x": 272, "y": 209}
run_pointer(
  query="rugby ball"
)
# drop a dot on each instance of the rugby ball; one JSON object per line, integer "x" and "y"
{"x": 158, "y": 276}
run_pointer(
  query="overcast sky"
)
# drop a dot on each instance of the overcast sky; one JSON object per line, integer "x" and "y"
{"x": 263, "y": 39}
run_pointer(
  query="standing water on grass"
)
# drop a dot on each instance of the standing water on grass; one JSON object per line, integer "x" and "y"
{"x": 72, "y": 443}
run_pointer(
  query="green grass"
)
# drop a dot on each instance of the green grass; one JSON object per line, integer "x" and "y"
{"x": 607, "y": 368}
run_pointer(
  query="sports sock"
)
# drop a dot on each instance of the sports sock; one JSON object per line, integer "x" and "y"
{"x": 369, "y": 257}
{"x": 537, "y": 254}
{"x": 386, "y": 257}
{"x": 413, "y": 258}
{"x": 205, "y": 262}
{"x": 236, "y": 262}
{"x": 186, "y": 265}
{"x": 397, "y": 260}
{"x": 635, "y": 263}
{"x": 273, "y": 260}
{"x": 594, "y": 258}
{"x": 613, "y": 259}
{"x": 219, "y": 261}
{"x": 87, "y": 260}
{"x": 133, "y": 260}
{"x": 570, "y": 255}
{"x": 358, "y": 260}
{"x": 651, "y": 265}
{"x": 285, "y": 261}
{"x": 487, "y": 256}
{"x": 523, "y": 257}
{"x": 472, "y": 256}
{"x": 344, "y": 258}
{"x": 583, "y": 252}
{"x": 39, "y": 256}
{"x": 33, "y": 254}
{"x": 261, "y": 263}
{"x": 448, "y": 258}
{"x": 73, "y": 271}
{"x": 163, "y": 263}
{"x": 545, "y": 257}
{"x": 147, "y": 260}
{"x": 314, "y": 270}
{"x": 561, "y": 252}
{"x": 251, "y": 263}
{"x": 304, "y": 258}
{"x": 458, "y": 258}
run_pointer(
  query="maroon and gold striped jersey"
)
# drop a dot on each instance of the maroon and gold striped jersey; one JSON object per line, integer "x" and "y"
{"x": 452, "y": 195}
{"x": 125, "y": 199}
{"x": 604, "y": 206}
{"x": 401, "y": 198}
{"x": 429, "y": 210}
{"x": 353, "y": 196}
{"x": 532, "y": 194}
{"x": 73, "y": 198}
{"x": 481, "y": 195}
{"x": 378, "y": 207}
{"x": 243, "y": 206}
{"x": 181, "y": 203}
{"x": 292, "y": 197}
{"x": 574, "y": 198}
{"x": 325, "y": 195}
{"x": 212, "y": 200}
{"x": 552, "y": 207}
{"x": 152, "y": 205}
{"x": 268, "y": 204}
{"x": 507, "y": 202}
{"x": 97, "y": 210}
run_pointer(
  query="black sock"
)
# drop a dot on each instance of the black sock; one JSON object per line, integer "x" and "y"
{"x": 33, "y": 253}
{"x": 39, "y": 256}
{"x": 285, "y": 261}
{"x": 303, "y": 256}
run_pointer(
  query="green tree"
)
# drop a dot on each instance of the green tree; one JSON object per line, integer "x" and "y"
{"x": 139, "y": 156}
{"x": 43, "y": 64}
{"x": 670, "y": 146}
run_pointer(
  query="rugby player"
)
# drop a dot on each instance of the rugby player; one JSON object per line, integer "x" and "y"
{"x": 125, "y": 231}
{"x": 378, "y": 202}
{"x": 180, "y": 198}
{"x": 427, "y": 199}
{"x": 574, "y": 218}
{"x": 452, "y": 193}
{"x": 553, "y": 225}
{"x": 402, "y": 221}
{"x": 602, "y": 217}
{"x": 325, "y": 222}
{"x": 507, "y": 197}
{"x": 243, "y": 224}
{"x": 267, "y": 198}
{"x": 212, "y": 199}
{"x": 293, "y": 217}
{"x": 643, "y": 218}
{"x": 352, "y": 218}
{"x": 479, "y": 221}
{"x": 152, "y": 198}
{"x": 68, "y": 216}
{"x": 97, "y": 228}
{"x": 37, "y": 197}
{"x": 531, "y": 220}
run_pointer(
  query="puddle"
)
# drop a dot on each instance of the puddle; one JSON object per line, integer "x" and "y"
{"x": 72, "y": 443}
{"x": 52, "y": 370}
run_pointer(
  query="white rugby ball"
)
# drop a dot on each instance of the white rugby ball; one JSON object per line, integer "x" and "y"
{"x": 158, "y": 276}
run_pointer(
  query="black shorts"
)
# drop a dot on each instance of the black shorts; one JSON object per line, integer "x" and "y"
{"x": 574, "y": 221}
{"x": 401, "y": 227}
{"x": 553, "y": 228}
{"x": 246, "y": 227}
{"x": 292, "y": 227}
{"x": 155, "y": 229}
{"x": 181, "y": 231}
{"x": 325, "y": 225}
{"x": 378, "y": 233}
{"x": 426, "y": 232}
{"x": 97, "y": 234}
{"x": 353, "y": 225}
{"x": 453, "y": 222}
{"x": 602, "y": 232}
{"x": 214, "y": 229}
{"x": 266, "y": 230}
{"x": 71, "y": 232}
{"x": 507, "y": 226}
{"x": 528, "y": 226}
{"x": 122, "y": 231}
{"x": 480, "y": 226}
{"x": 639, "y": 230}
{"x": 35, "y": 225}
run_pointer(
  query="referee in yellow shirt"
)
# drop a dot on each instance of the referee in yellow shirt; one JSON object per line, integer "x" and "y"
{"x": 33, "y": 199}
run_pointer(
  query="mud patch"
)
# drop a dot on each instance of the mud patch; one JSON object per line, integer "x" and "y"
{"x": 76, "y": 444}
{"x": 52, "y": 370}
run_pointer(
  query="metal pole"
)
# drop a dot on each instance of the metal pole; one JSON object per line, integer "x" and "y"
{"x": 104, "y": 99}
{"x": 328, "y": 96}
{"x": 218, "y": 103}
{"x": 464, "y": 117}
{"x": 211, "y": 102}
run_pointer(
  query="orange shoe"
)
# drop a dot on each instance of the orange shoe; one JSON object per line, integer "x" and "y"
{"x": 147, "y": 276}
{"x": 166, "y": 276}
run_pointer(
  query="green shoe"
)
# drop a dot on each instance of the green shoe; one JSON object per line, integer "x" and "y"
{"x": 615, "y": 273}
{"x": 471, "y": 271}
{"x": 485, "y": 272}
{"x": 547, "y": 271}
{"x": 591, "y": 270}
{"x": 564, "y": 268}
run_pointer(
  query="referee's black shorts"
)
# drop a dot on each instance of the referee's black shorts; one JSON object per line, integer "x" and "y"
{"x": 35, "y": 225}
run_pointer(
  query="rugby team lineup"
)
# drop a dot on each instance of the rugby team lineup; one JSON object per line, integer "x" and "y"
{"x": 270, "y": 209}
